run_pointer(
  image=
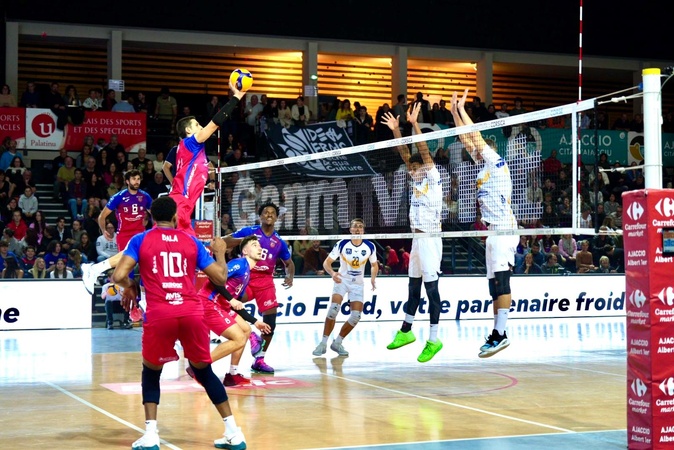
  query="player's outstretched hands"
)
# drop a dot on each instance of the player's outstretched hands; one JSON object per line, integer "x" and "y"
{"x": 263, "y": 327}
{"x": 390, "y": 120}
{"x": 413, "y": 116}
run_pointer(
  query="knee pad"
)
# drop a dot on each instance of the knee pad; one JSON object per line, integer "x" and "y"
{"x": 213, "y": 386}
{"x": 354, "y": 318}
{"x": 500, "y": 284}
{"x": 333, "y": 310}
{"x": 150, "y": 385}
{"x": 270, "y": 319}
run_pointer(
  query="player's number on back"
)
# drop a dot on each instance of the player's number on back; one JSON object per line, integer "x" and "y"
{"x": 172, "y": 262}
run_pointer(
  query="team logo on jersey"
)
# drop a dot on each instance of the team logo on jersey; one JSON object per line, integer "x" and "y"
{"x": 139, "y": 197}
{"x": 126, "y": 199}
{"x": 348, "y": 251}
{"x": 362, "y": 252}
{"x": 272, "y": 243}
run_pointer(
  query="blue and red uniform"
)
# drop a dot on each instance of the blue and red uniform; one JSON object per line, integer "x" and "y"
{"x": 217, "y": 311}
{"x": 168, "y": 261}
{"x": 130, "y": 211}
{"x": 261, "y": 286}
{"x": 190, "y": 179}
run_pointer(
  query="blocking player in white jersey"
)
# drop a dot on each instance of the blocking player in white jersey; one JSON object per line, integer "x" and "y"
{"x": 353, "y": 255}
{"x": 494, "y": 187}
{"x": 426, "y": 253}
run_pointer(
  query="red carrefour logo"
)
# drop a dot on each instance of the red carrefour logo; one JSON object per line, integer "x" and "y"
{"x": 635, "y": 211}
{"x": 665, "y": 206}
{"x": 43, "y": 125}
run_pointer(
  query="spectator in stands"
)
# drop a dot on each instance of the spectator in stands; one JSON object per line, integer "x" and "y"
{"x": 622, "y": 123}
{"x": 74, "y": 263}
{"x": 117, "y": 184}
{"x": 109, "y": 101}
{"x": 363, "y": 126}
{"x": 586, "y": 217}
{"x": 82, "y": 158}
{"x": 93, "y": 102}
{"x": 534, "y": 192}
{"x": 404, "y": 260}
{"x": 300, "y": 113}
{"x": 519, "y": 107}
{"x": 14, "y": 244}
{"x": 97, "y": 192}
{"x": 76, "y": 230}
{"x": 14, "y": 174}
{"x": 29, "y": 258}
{"x": 30, "y": 240}
{"x": 71, "y": 97}
{"x": 539, "y": 256}
{"x": 87, "y": 247}
{"x": 602, "y": 239}
{"x": 107, "y": 247}
{"x": 30, "y": 97}
{"x": 77, "y": 196}
{"x": 125, "y": 105}
{"x": 156, "y": 186}
{"x": 8, "y": 157}
{"x": 11, "y": 269}
{"x": 54, "y": 101}
{"x": 39, "y": 269}
{"x": 584, "y": 258}
{"x": 60, "y": 270}
{"x": 604, "y": 266}
{"x": 109, "y": 174}
{"x": 114, "y": 148}
{"x": 554, "y": 249}
{"x": 7, "y": 99}
{"x": 300, "y": 248}
{"x": 611, "y": 205}
{"x": 617, "y": 217}
{"x": 616, "y": 257}
{"x": 141, "y": 161}
{"x": 285, "y": 116}
{"x": 313, "y": 259}
{"x": 158, "y": 161}
{"x": 479, "y": 111}
{"x": 122, "y": 161}
{"x": 91, "y": 222}
{"x": 391, "y": 261}
{"x": 53, "y": 254}
{"x": 236, "y": 157}
{"x": 528, "y": 266}
{"x": 140, "y": 104}
{"x": 166, "y": 110}
{"x": 39, "y": 224}
{"x": 89, "y": 170}
{"x": 17, "y": 225}
{"x": 8, "y": 211}
{"x": 64, "y": 176}
{"x": 549, "y": 218}
{"x": 28, "y": 204}
{"x": 637, "y": 124}
{"x": 565, "y": 212}
{"x": 345, "y": 114}
{"x": 63, "y": 233}
{"x": 552, "y": 267}
{"x": 4, "y": 194}
{"x": 638, "y": 183}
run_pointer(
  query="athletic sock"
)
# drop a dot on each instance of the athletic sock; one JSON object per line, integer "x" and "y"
{"x": 501, "y": 319}
{"x": 407, "y": 323}
{"x": 325, "y": 340}
{"x": 434, "y": 333}
{"x": 338, "y": 340}
{"x": 230, "y": 426}
{"x": 150, "y": 426}
{"x": 233, "y": 370}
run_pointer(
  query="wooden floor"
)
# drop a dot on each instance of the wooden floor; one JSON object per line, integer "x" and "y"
{"x": 560, "y": 385}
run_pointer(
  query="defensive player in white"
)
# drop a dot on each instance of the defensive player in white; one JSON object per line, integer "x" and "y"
{"x": 426, "y": 253}
{"x": 353, "y": 255}
{"x": 494, "y": 188}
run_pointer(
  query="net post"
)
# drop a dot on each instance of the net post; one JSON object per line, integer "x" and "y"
{"x": 652, "y": 130}
{"x": 217, "y": 216}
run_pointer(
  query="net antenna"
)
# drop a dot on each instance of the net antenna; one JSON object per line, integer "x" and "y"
{"x": 217, "y": 206}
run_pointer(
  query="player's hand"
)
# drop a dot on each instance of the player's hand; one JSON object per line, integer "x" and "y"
{"x": 413, "y": 115}
{"x": 374, "y": 285}
{"x": 218, "y": 245}
{"x": 462, "y": 101}
{"x": 236, "y": 304}
{"x": 288, "y": 282}
{"x": 336, "y": 278}
{"x": 263, "y": 327}
{"x": 129, "y": 296}
{"x": 390, "y": 120}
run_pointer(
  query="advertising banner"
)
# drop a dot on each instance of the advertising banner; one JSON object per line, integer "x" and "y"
{"x": 130, "y": 128}
{"x": 649, "y": 287}
{"x": 13, "y": 124}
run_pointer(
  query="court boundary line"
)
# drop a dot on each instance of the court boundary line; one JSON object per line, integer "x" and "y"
{"x": 514, "y": 436}
{"x": 106, "y": 413}
{"x": 456, "y": 405}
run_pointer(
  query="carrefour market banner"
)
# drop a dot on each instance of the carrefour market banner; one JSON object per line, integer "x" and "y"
{"x": 35, "y": 129}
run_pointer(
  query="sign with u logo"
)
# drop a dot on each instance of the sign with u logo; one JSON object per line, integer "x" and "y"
{"x": 41, "y": 131}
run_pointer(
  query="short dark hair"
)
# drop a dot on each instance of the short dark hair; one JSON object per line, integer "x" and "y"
{"x": 183, "y": 124}
{"x": 163, "y": 209}
{"x": 247, "y": 239}
{"x": 132, "y": 173}
{"x": 267, "y": 205}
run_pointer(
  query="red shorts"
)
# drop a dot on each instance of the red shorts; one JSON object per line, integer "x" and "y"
{"x": 184, "y": 212}
{"x": 123, "y": 239}
{"x": 218, "y": 318}
{"x": 262, "y": 289}
{"x": 160, "y": 336}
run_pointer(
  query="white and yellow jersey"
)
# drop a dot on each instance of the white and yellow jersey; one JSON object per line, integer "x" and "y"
{"x": 426, "y": 202}
{"x": 352, "y": 258}
{"x": 494, "y": 189}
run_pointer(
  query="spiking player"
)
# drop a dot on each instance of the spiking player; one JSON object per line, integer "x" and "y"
{"x": 131, "y": 207}
{"x": 494, "y": 188}
{"x": 353, "y": 255}
{"x": 426, "y": 253}
{"x": 168, "y": 260}
{"x": 261, "y": 286}
{"x": 224, "y": 313}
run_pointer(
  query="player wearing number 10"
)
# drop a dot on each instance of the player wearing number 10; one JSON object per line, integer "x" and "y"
{"x": 168, "y": 260}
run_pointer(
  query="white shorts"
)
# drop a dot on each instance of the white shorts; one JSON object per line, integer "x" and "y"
{"x": 355, "y": 290}
{"x": 425, "y": 258}
{"x": 500, "y": 253}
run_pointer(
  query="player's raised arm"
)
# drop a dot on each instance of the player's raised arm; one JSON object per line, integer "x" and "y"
{"x": 412, "y": 117}
{"x": 392, "y": 122}
{"x": 473, "y": 141}
{"x": 221, "y": 116}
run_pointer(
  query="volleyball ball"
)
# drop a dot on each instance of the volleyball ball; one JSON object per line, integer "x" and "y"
{"x": 112, "y": 290}
{"x": 242, "y": 79}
